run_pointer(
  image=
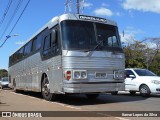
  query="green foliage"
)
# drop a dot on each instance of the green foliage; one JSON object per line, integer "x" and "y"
{"x": 155, "y": 65}
{"x": 134, "y": 56}
{"x": 3, "y": 73}
{"x": 138, "y": 55}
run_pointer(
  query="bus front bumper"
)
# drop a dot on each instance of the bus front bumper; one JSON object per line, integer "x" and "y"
{"x": 89, "y": 88}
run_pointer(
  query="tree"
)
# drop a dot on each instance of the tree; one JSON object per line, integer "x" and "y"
{"x": 134, "y": 54}
{"x": 143, "y": 54}
{"x": 152, "y": 49}
{"x": 155, "y": 65}
{"x": 3, "y": 73}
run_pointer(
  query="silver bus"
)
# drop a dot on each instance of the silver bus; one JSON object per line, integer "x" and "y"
{"x": 72, "y": 53}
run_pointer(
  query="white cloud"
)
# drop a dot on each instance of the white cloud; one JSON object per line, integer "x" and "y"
{"x": 130, "y": 33}
{"x": 127, "y": 38}
{"x": 20, "y": 42}
{"x": 133, "y": 31}
{"x": 103, "y": 12}
{"x": 142, "y": 5}
{"x": 86, "y": 4}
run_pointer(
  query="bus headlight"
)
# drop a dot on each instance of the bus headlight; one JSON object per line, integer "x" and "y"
{"x": 80, "y": 74}
{"x": 83, "y": 75}
{"x": 119, "y": 74}
{"x": 116, "y": 74}
{"x": 77, "y": 75}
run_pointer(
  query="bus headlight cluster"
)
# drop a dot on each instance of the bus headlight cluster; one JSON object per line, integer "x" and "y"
{"x": 119, "y": 74}
{"x": 80, "y": 74}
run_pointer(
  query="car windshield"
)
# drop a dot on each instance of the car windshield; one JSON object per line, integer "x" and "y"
{"x": 144, "y": 72}
{"x": 83, "y": 35}
{"x": 5, "y": 79}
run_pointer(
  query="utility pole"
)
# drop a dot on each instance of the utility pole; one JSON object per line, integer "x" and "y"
{"x": 7, "y": 37}
{"x": 79, "y": 5}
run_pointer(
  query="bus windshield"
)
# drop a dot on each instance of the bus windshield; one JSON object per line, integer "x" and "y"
{"x": 83, "y": 35}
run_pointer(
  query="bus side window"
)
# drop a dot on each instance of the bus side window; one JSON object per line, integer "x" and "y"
{"x": 50, "y": 43}
{"x": 47, "y": 44}
{"x": 34, "y": 45}
{"x": 27, "y": 49}
{"x": 54, "y": 36}
{"x": 39, "y": 42}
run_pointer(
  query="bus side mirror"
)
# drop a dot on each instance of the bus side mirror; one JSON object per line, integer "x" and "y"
{"x": 54, "y": 36}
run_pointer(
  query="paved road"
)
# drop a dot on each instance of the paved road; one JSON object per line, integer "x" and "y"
{"x": 10, "y": 101}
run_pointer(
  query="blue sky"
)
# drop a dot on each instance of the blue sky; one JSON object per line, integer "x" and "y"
{"x": 138, "y": 19}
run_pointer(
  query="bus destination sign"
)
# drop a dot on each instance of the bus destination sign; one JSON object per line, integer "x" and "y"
{"x": 91, "y": 18}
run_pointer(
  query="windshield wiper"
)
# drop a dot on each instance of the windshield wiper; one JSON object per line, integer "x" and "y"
{"x": 95, "y": 46}
{"x": 98, "y": 44}
{"x": 89, "y": 54}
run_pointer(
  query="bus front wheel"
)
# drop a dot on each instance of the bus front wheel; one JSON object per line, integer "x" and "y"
{"x": 46, "y": 90}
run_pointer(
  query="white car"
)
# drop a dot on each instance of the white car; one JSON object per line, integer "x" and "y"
{"x": 4, "y": 82}
{"x": 141, "y": 80}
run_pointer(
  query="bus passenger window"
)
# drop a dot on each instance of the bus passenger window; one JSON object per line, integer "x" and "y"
{"x": 27, "y": 49}
{"x": 47, "y": 45}
{"x": 47, "y": 42}
{"x": 39, "y": 42}
{"x": 34, "y": 45}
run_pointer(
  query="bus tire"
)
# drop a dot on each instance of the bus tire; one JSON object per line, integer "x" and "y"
{"x": 46, "y": 91}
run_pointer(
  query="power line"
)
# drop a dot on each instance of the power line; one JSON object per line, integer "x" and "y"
{"x": 11, "y": 19}
{"x": 6, "y": 11}
{"x": 5, "y": 41}
{"x": 19, "y": 17}
{"x": 15, "y": 24}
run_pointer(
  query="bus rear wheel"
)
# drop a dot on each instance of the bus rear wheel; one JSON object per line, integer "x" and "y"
{"x": 46, "y": 90}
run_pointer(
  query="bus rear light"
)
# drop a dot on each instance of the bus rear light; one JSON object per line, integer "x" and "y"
{"x": 68, "y": 75}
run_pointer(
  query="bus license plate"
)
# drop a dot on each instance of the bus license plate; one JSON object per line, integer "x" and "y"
{"x": 101, "y": 75}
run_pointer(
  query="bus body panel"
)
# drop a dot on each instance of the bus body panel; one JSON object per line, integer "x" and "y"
{"x": 54, "y": 73}
{"x": 93, "y": 88}
{"x": 27, "y": 73}
{"x": 98, "y": 62}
